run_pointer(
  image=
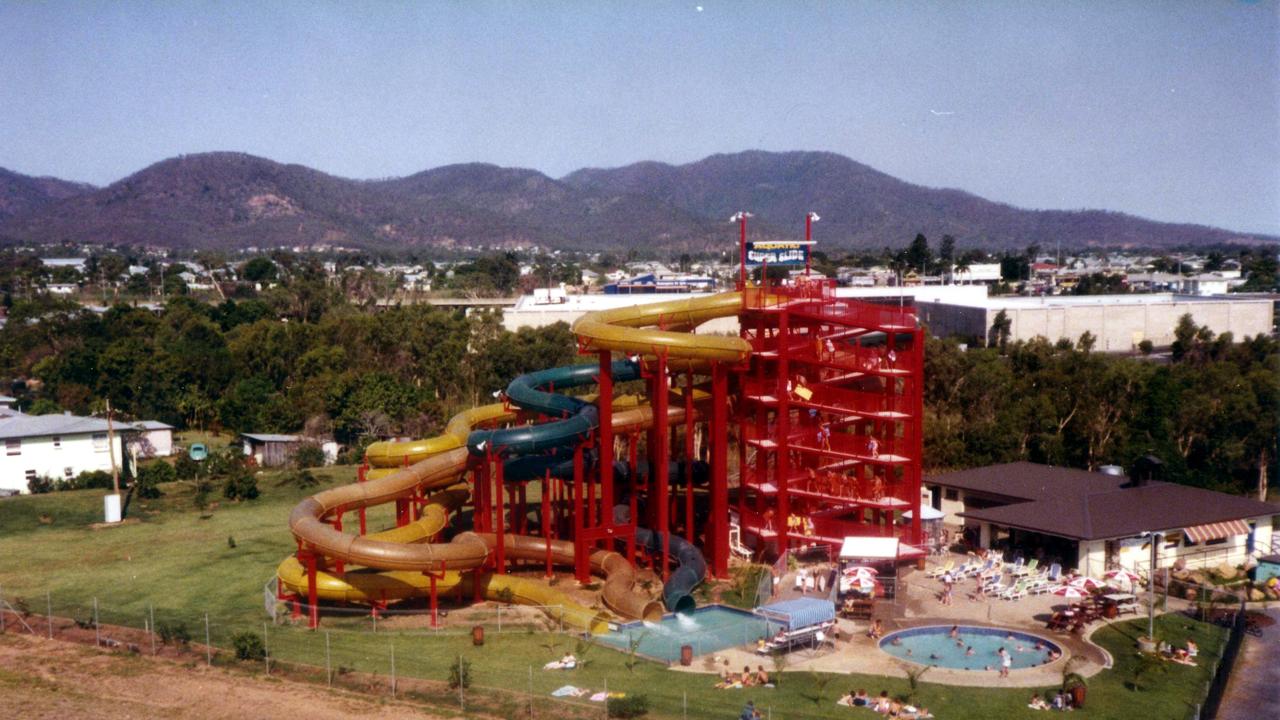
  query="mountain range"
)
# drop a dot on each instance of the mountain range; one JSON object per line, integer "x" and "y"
{"x": 232, "y": 200}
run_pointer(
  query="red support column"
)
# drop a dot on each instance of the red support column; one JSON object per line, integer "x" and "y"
{"x": 546, "y": 517}
{"x": 605, "y": 406}
{"x": 719, "y": 536}
{"x": 688, "y": 457}
{"x": 361, "y": 475}
{"x": 782, "y": 428}
{"x": 435, "y": 601}
{"x": 633, "y": 442}
{"x": 501, "y": 555}
{"x": 339, "y": 566}
{"x": 313, "y": 620}
{"x": 658, "y": 456}
{"x": 480, "y": 489}
{"x": 915, "y": 383}
{"x": 582, "y": 569}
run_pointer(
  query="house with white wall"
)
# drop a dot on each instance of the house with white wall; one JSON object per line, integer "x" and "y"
{"x": 153, "y": 439}
{"x": 55, "y": 446}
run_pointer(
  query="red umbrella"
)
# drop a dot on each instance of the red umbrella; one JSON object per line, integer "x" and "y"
{"x": 1085, "y": 583}
{"x": 1122, "y": 575}
{"x": 1069, "y": 591}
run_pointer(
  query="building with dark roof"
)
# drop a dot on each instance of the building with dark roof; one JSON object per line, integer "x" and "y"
{"x": 1099, "y": 520}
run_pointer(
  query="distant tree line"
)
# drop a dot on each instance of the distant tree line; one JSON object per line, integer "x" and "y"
{"x": 1211, "y": 413}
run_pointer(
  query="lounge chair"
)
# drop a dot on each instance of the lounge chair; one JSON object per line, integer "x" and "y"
{"x": 940, "y": 571}
{"x": 977, "y": 569}
{"x": 1028, "y": 569}
{"x": 1019, "y": 590}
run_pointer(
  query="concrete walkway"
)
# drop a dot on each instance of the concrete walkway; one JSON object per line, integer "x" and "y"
{"x": 1254, "y": 689}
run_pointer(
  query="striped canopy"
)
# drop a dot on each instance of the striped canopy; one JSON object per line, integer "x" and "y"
{"x": 1215, "y": 531}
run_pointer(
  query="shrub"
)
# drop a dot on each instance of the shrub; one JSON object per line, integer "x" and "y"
{"x": 301, "y": 479}
{"x": 248, "y": 646}
{"x": 240, "y": 485}
{"x": 459, "y": 673}
{"x": 90, "y": 479}
{"x": 628, "y": 707}
{"x": 158, "y": 472}
{"x": 173, "y": 633}
{"x": 308, "y": 456}
{"x": 185, "y": 468}
{"x": 147, "y": 489}
{"x": 201, "y": 498}
{"x": 1146, "y": 346}
{"x": 505, "y": 596}
{"x": 40, "y": 485}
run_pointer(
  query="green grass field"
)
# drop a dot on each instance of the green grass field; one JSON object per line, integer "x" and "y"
{"x": 181, "y": 563}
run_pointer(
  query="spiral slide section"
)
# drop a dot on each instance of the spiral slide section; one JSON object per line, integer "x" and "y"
{"x": 401, "y": 469}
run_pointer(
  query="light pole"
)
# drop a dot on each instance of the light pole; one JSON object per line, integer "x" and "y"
{"x": 740, "y": 217}
{"x": 809, "y": 219}
{"x": 1156, "y": 537}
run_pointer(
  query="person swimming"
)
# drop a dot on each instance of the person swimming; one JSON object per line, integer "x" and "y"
{"x": 969, "y": 651}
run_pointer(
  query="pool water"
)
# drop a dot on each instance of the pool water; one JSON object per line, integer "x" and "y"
{"x": 933, "y": 645}
{"x": 707, "y": 629}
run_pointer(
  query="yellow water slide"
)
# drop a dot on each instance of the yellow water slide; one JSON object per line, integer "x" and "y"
{"x": 391, "y": 564}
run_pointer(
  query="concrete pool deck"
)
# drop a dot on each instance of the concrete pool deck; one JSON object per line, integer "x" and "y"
{"x": 854, "y": 652}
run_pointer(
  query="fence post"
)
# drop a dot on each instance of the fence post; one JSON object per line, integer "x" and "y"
{"x": 208, "y": 653}
{"x": 2, "y": 606}
{"x": 684, "y": 704}
{"x": 530, "y": 692}
{"x": 48, "y": 612}
{"x": 97, "y": 634}
{"x": 151, "y": 610}
{"x": 266, "y": 647}
{"x": 328, "y": 667}
{"x": 393, "y": 668}
{"x": 462, "y": 696}
{"x": 606, "y": 698}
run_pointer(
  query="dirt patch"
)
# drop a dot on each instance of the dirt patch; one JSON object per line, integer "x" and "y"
{"x": 42, "y": 678}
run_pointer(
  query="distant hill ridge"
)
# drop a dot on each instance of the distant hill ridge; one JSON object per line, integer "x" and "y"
{"x": 232, "y": 200}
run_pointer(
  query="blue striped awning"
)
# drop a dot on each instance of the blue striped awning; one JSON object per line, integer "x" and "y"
{"x": 799, "y": 613}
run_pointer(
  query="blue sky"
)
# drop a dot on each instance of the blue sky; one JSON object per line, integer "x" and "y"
{"x": 1169, "y": 110}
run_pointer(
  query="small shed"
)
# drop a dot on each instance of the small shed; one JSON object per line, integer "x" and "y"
{"x": 269, "y": 450}
{"x": 153, "y": 439}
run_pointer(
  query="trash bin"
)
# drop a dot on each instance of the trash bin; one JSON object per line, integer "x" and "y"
{"x": 686, "y": 655}
{"x": 477, "y": 635}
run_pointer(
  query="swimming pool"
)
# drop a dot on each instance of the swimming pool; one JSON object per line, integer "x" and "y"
{"x": 973, "y": 648}
{"x": 707, "y": 629}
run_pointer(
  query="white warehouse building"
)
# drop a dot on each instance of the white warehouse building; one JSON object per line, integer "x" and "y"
{"x": 1119, "y": 322}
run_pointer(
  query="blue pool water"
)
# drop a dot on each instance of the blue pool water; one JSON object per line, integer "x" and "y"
{"x": 708, "y": 629}
{"x": 933, "y": 645}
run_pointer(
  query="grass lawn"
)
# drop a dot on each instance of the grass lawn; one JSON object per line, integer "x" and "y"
{"x": 184, "y": 565}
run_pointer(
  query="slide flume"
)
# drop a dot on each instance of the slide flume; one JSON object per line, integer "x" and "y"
{"x": 436, "y": 463}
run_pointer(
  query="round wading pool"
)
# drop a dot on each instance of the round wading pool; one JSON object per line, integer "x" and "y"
{"x": 965, "y": 647}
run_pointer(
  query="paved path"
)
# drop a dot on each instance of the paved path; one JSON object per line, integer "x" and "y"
{"x": 1254, "y": 689}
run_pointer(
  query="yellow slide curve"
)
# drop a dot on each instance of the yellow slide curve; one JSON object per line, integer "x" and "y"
{"x": 389, "y": 565}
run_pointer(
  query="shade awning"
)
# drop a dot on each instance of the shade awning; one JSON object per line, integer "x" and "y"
{"x": 799, "y": 613}
{"x": 1216, "y": 531}
{"x": 869, "y": 548}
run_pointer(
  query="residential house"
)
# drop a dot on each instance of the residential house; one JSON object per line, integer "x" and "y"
{"x": 55, "y": 446}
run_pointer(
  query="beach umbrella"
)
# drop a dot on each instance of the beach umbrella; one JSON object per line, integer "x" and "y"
{"x": 857, "y": 570}
{"x": 1122, "y": 576}
{"x": 1068, "y": 591}
{"x": 1085, "y": 583}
